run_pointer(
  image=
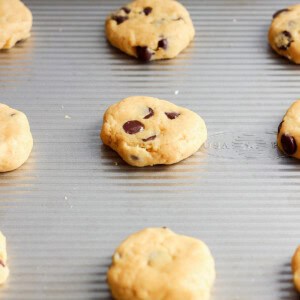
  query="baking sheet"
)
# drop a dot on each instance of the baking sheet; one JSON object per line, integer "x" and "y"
{"x": 66, "y": 210}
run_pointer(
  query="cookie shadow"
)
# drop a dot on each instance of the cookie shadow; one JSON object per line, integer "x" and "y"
{"x": 281, "y": 61}
{"x": 288, "y": 160}
{"x": 287, "y": 289}
{"x": 103, "y": 290}
{"x": 13, "y": 56}
{"x": 280, "y": 154}
{"x": 118, "y": 55}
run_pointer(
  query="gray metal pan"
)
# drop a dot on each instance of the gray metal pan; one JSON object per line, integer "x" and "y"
{"x": 66, "y": 210}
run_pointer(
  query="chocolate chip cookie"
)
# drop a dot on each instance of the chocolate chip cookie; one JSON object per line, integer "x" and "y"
{"x": 15, "y": 23}
{"x": 296, "y": 268}
{"x": 146, "y": 131}
{"x": 157, "y": 263}
{"x": 4, "y": 271}
{"x": 284, "y": 35}
{"x": 15, "y": 138}
{"x": 150, "y": 29}
{"x": 288, "y": 137}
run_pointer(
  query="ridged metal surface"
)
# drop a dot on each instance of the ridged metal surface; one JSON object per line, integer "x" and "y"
{"x": 66, "y": 210}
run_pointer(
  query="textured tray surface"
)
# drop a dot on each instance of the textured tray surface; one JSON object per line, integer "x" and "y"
{"x": 66, "y": 210}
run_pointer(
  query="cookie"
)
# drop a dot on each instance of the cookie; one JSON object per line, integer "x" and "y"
{"x": 150, "y": 29}
{"x": 147, "y": 131}
{"x": 288, "y": 137}
{"x": 296, "y": 268}
{"x": 15, "y": 23}
{"x": 15, "y": 138}
{"x": 4, "y": 271}
{"x": 284, "y": 33}
{"x": 157, "y": 263}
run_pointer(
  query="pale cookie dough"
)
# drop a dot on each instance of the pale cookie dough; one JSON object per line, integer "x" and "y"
{"x": 150, "y": 29}
{"x": 15, "y": 138}
{"x": 284, "y": 33}
{"x": 156, "y": 263}
{"x": 4, "y": 271}
{"x": 296, "y": 268}
{"x": 146, "y": 131}
{"x": 288, "y": 137}
{"x": 15, "y": 23}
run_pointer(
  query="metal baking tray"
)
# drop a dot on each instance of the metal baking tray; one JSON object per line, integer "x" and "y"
{"x": 66, "y": 210}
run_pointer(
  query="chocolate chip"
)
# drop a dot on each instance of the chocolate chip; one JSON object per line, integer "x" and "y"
{"x": 178, "y": 19}
{"x": 289, "y": 144}
{"x": 143, "y": 53}
{"x": 279, "y": 12}
{"x": 133, "y": 157}
{"x": 2, "y": 263}
{"x": 164, "y": 227}
{"x": 133, "y": 127}
{"x": 284, "y": 40}
{"x": 151, "y": 113}
{"x": 163, "y": 44}
{"x": 172, "y": 115}
{"x": 280, "y": 125}
{"x": 151, "y": 138}
{"x": 119, "y": 19}
{"x": 12, "y": 115}
{"x": 126, "y": 9}
{"x": 147, "y": 10}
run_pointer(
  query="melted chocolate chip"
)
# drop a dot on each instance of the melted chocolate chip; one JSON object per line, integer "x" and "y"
{"x": 172, "y": 115}
{"x": 285, "y": 40}
{"x": 151, "y": 138}
{"x": 119, "y": 19}
{"x": 126, "y": 9}
{"x": 133, "y": 157}
{"x": 289, "y": 144}
{"x": 2, "y": 263}
{"x": 151, "y": 113}
{"x": 279, "y": 12}
{"x": 133, "y": 127}
{"x": 280, "y": 125}
{"x": 163, "y": 44}
{"x": 143, "y": 53}
{"x": 147, "y": 10}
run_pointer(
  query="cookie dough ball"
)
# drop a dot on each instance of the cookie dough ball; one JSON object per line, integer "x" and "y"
{"x": 4, "y": 271}
{"x": 150, "y": 29}
{"x": 296, "y": 268}
{"x": 157, "y": 263}
{"x": 15, "y": 138}
{"x": 15, "y": 23}
{"x": 147, "y": 131}
{"x": 288, "y": 137}
{"x": 284, "y": 36}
